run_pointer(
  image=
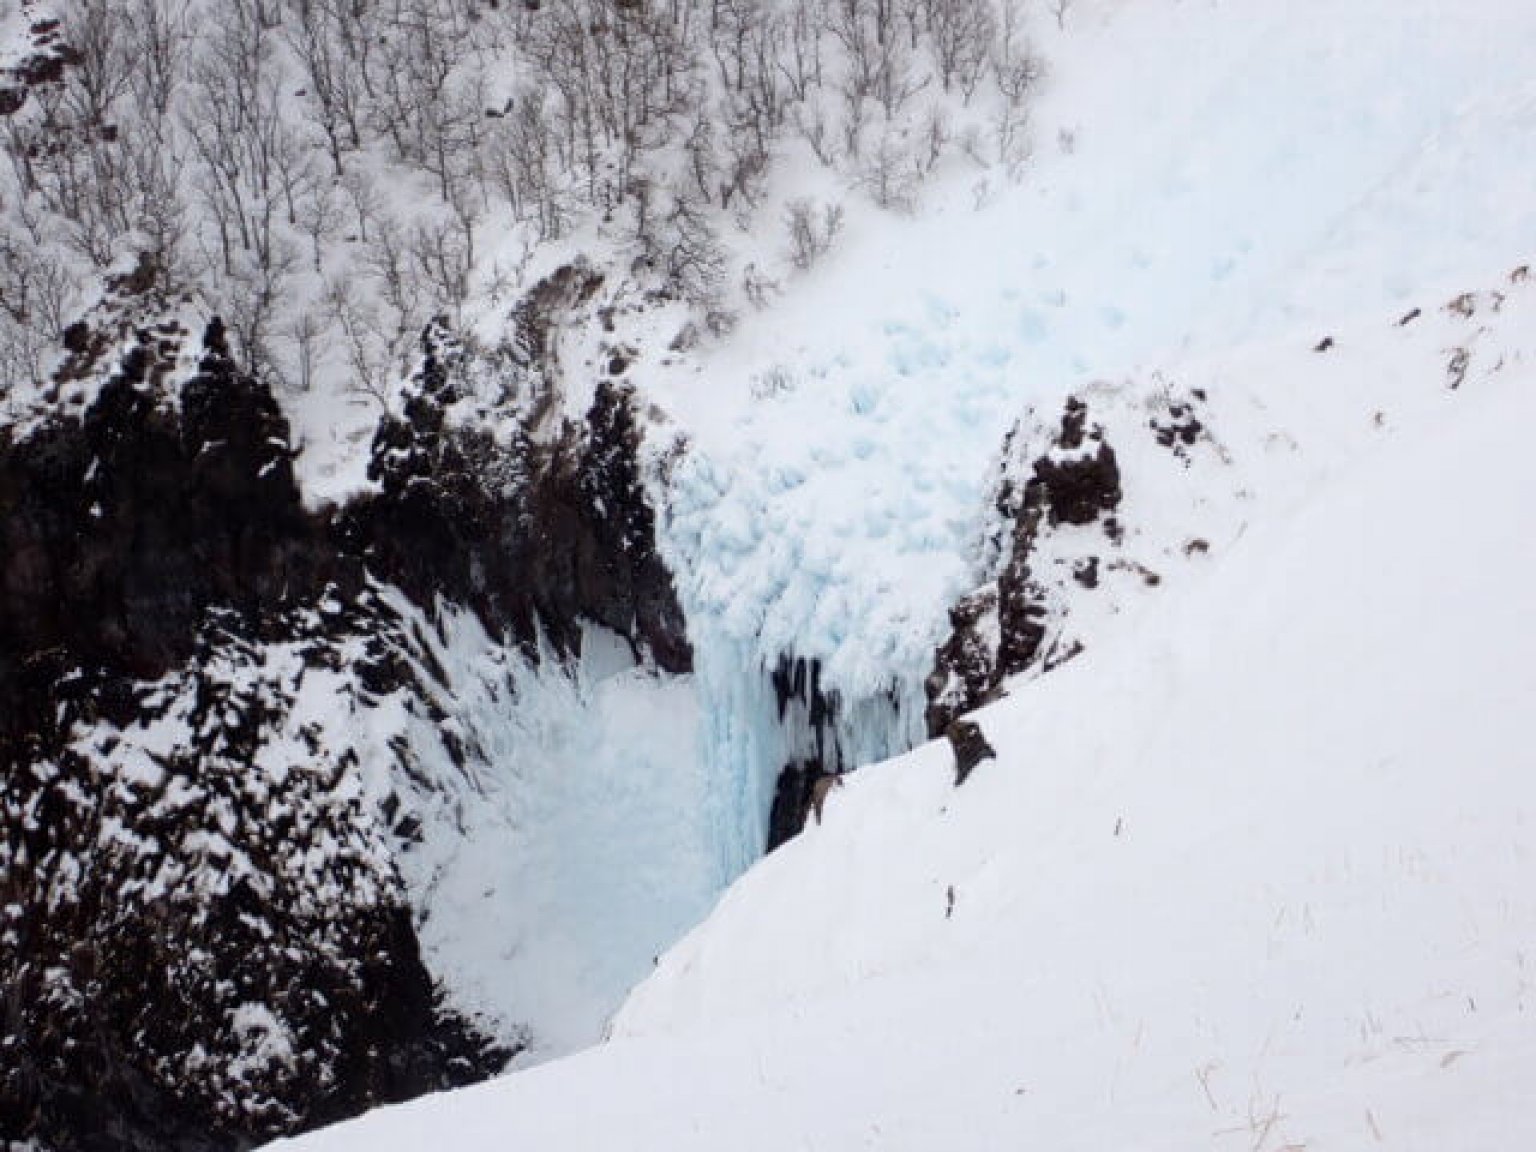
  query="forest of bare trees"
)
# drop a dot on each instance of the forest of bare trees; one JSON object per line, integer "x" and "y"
{"x": 330, "y": 174}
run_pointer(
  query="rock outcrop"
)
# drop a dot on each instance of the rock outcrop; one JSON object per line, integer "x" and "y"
{"x": 1002, "y": 629}
{"x": 205, "y": 940}
{"x": 536, "y": 528}
{"x": 1060, "y": 555}
{"x": 809, "y": 713}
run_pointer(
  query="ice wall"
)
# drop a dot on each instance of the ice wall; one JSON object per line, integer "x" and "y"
{"x": 579, "y": 815}
{"x": 750, "y": 732}
{"x": 833, "y": 528}
{"x": 571, "y": 846}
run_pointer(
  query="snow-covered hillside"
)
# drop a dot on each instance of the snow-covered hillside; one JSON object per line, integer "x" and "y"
{"x": 1256, "y": 874}
{"x": 1251, "y": 870}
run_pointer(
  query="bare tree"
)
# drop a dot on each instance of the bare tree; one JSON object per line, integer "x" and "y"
{"x": 1017, "y": 70}
{"x": 963, "y": 32}
{"x": 523, "y": 165}
{"x": 890, "y": 173}
{"x": 160, "y": 38}
{"x": 35, "y": 291}
{"x": 320, "y": 215}
{"x": 811, "y": 230}
{"x": 103, "y": 61}
{"x": 333, "y": 83}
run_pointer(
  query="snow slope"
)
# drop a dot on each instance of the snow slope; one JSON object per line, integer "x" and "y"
{"x": 1259, "y": 175}
{"x": 1204, "y": 175}
{"x": 1256, "y": 875}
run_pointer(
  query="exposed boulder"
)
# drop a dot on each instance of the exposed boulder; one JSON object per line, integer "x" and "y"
{"x": 1002, "y": 628}
{"x": 1177, "y": 427}
{"x": 970, "y": 746}
{"x": 793, "y": 798}
{"x": 1079, "y": 479}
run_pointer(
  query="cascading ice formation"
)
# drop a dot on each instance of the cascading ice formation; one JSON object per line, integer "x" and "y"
{"x": 564, "y": 859}
{"x": 756, "y": 726}
{"x": 818, "y": 530}
{"x": 803, "y": 661}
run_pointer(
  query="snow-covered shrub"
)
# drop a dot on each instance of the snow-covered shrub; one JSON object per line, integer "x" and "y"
{"x": 812, "y": 229}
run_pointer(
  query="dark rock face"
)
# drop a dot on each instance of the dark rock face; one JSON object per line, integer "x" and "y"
{"x": 46, "y": 57}
{"x": 613, "y": 574}
{"x": 809, "y": 714}
{"x": 123, "y": 528}
{"x": 1001, "y": 629}
{"x": 1078, "y": 483}
{"x": 797, "y": 682}
{"x": 970, "y": 747}
{"x": 797, "y": 688}
{"x": 1057, "y": 539}
{"x": 543, "y": 533}
{"x": 205, "y": 940}
{"x": 793, "y": 798}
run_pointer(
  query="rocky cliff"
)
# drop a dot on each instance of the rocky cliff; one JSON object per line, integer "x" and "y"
{"x": 207, "y": 940}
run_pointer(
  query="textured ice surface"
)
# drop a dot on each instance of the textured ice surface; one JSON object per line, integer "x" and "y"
{"x": 571, "y": 848}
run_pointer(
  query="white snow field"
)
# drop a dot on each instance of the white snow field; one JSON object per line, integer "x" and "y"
{"x": 1256, "y": 875}
{"x": 1252, "y": 873}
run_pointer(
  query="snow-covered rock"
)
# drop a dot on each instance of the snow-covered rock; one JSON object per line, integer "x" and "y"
{"x": 246, "y": 744}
